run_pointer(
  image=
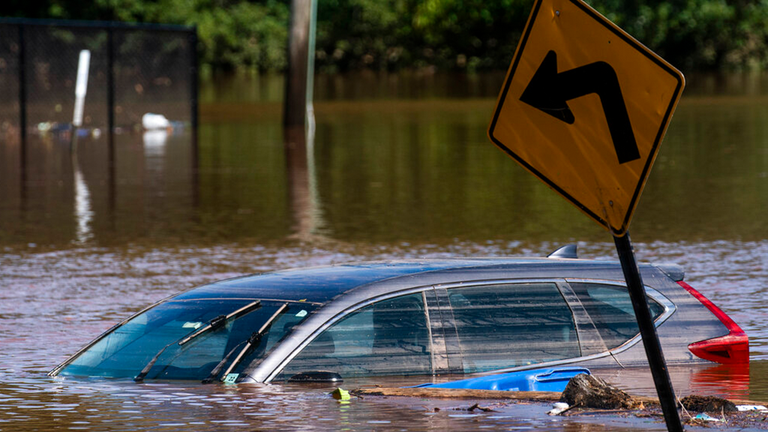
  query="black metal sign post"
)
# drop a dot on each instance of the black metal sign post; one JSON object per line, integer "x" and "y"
{"x": 602, "y": 172}
{"x": 651, "y": 343}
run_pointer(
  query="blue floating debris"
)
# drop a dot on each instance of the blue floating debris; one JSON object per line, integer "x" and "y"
{"x": 706, "y": 417}
{"x": 553, "y": 380}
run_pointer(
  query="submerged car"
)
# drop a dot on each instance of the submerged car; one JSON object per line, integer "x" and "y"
{"x": 417, "y": 317}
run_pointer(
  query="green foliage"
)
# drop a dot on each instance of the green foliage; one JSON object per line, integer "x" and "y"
{"x": 474, "y": 34}
{"x": 447, "y": 34}
{"x": 353, "y": 34}
{"x": 697, "y": 34}
{"x": 232, "y": 33}
{"x": 243, "y": 34}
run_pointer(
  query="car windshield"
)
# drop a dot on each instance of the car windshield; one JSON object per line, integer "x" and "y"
{"x": 190, "y": 339}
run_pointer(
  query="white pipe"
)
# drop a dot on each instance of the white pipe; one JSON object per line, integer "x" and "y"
{"x": 81, "y": 87}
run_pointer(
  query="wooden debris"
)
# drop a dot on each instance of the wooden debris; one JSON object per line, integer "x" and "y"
{"x": 478, "y": 407}
{"x": 426, "y": 392}
{"x": 589, "y": 391}
{"x": 636, "y": 402}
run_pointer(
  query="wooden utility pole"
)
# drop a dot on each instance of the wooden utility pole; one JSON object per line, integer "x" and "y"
{"x": 298, "y": 80}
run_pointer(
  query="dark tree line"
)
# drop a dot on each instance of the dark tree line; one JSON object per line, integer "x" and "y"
{"x": 445, "y": 34}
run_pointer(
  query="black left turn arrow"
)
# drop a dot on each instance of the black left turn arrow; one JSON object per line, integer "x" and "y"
{"x": 550, "y": 92}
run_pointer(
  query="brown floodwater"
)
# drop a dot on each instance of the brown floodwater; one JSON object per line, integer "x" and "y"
{"x": 400, "y": 166}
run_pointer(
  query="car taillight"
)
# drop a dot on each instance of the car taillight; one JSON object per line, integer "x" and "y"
{"x": 728, "y": 349}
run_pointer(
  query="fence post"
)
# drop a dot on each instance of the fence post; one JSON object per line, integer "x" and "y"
{"x": 111, "y": 115}
{"x": 194, "y": 93}
{"x": 22, "y": 96}
{"x": 22, "y": 120}
{"x": 194, "y": 84}
{"x": 111, "y": 92}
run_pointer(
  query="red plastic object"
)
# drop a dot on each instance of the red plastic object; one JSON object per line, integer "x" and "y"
{"x": 732, "y": 348}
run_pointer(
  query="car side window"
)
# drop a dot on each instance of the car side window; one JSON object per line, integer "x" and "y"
{"x": 611, "y": 311}
{"x": 503, "y": 326}
{"x": 389, "y": 337}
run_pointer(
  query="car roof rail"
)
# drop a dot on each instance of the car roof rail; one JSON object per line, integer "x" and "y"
{"x": 568, "y": 251}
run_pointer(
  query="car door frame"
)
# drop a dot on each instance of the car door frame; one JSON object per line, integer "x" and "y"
{"x": 583, "y": 325}
{"x": 669, "y": 309}
{"x": 271, "y": 367}
{"x": 591, "y": 345}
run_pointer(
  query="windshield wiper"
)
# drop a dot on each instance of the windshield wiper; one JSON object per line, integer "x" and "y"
{"x": 214, "y": 324}
{"x": 221, "y": 320}
{"x": 253, "y": 340}
{"x": 215, "y": 372}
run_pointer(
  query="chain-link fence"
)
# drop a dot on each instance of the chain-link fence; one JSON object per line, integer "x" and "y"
{"x": 134, "y": 69}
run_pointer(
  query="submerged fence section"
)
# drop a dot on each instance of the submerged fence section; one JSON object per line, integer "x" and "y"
{"x": 135, "y": 69}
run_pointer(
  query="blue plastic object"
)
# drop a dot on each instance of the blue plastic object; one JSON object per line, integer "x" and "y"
{"x": 553, "y": 380}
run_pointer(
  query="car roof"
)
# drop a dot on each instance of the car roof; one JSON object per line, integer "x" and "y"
{"x": 321, "y": 284}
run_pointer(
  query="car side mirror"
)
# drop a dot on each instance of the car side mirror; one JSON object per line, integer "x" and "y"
{"x": 316, "y": 377}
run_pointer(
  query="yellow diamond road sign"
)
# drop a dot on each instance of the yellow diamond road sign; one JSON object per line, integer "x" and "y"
{"x": 584, "y": 107}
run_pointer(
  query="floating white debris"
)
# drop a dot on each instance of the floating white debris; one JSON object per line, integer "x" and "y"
{"x": 558, "y": 407}
{"x": 751, "y": 408}
{"x": 154, "y": 142}
{"x": 154, "y": 121}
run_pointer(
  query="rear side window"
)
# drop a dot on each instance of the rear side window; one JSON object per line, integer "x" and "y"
{"x": 386, "y": 338}
{"x": 611, "y": 311}
{"x": 502, "y": 326}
